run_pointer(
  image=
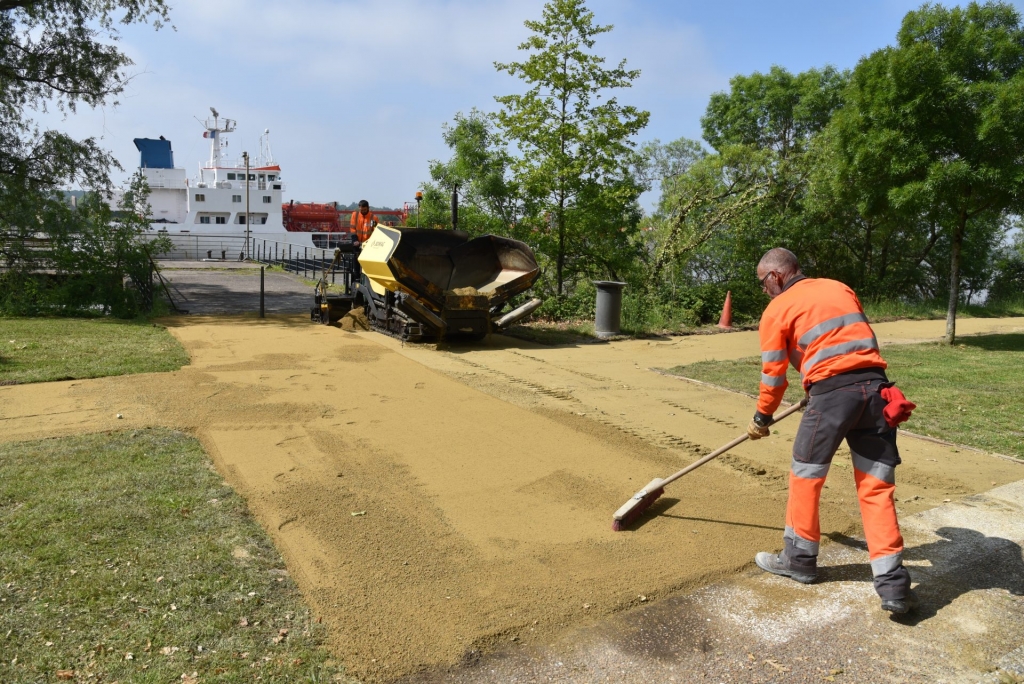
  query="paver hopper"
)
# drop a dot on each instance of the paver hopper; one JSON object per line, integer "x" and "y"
{"x": 421, "y": 284}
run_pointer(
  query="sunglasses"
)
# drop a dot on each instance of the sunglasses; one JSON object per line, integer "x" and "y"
{"x": 763, "y": 286}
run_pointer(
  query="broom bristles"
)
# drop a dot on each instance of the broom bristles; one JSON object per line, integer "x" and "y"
{"x": 626, "y": 516}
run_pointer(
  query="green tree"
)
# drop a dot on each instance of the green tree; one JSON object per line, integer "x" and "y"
{"x": 777, "y": 111}
{"x": 775, "y": 117}
{"x": 936, "y": 124}
{"x": 1008, "y": 279}
{"x": 57, "y": 54}
{"x": 490, "y": 200}
{"x": 719, "y": 211}
{"x": 658, "y": 163}
{"x": 576, "y": 142}
{"x": 91, "y": 258}
{"x": 713, "y": 194}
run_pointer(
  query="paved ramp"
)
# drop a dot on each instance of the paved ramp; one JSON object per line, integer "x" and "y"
{"x": 234, "y": 288}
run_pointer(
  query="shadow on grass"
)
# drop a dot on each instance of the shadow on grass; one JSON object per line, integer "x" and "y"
{"x": 1012, "y": 342}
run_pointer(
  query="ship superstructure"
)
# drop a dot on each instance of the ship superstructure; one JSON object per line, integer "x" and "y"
{"x": 215, "y": 200}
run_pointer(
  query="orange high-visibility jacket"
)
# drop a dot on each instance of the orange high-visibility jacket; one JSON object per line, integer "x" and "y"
{"x": 819, "y": 326}
{"x": 362, "y": 226}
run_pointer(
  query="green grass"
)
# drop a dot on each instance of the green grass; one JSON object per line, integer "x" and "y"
{"x": 971, "y": 394}
{"x": 936, "y": 310}
{"x": 46, "y": 349}
{"x": 124, "y": 557}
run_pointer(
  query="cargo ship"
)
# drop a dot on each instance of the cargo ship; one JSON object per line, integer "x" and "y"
{"x": 237, "y": 198}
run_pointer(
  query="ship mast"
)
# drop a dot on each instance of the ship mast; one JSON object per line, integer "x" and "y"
{"x": 214, "y": 128}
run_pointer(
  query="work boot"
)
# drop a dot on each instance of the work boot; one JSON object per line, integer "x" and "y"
{"x": 900, "y": 606}
{"x": 777, "y": 565}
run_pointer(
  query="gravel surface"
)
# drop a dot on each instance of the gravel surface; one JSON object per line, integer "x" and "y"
{"x": 446, "y": 511}
{"x": 966, "y": 561}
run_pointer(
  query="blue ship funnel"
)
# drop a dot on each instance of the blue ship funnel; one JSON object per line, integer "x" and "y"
{"x": 156, "y": 154}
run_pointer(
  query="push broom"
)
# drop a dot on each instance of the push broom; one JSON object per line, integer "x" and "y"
{"x": 642, "y": 500}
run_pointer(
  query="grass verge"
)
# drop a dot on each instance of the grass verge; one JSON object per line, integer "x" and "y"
{"x": 971, "y": 394}
{"x": 124, "y": 557}
{"x": 47, "y": 349}
{"x": 554, "y": 332}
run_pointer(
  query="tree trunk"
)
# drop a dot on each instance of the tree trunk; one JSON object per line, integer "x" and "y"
{"x": 954, "y": 277}
{"x": 560, "y": 259}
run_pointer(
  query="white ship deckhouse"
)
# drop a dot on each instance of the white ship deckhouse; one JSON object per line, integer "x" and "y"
{"x": 224, "y": 198}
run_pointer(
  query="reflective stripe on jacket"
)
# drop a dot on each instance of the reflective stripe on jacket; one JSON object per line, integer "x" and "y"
{"x": 362, "y": 226}
{"x": 819, "y": 326}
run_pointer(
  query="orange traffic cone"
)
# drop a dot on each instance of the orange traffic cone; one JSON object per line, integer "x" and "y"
{"x": 725, "y": 322}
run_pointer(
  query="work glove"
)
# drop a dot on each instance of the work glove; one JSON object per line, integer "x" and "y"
{"x": 759, "y": 426}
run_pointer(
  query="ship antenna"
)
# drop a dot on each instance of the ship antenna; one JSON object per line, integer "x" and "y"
{"x": 270, "y": 154}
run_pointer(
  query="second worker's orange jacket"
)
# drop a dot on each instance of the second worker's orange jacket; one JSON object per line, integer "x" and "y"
{"x": 819, "y": 326}
{"x": 362, "y": 226}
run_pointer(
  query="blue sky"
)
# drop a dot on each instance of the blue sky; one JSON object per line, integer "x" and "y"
{"x": 355, "y": 93}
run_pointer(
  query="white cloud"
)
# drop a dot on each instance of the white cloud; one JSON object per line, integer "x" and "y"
{"x": 355, "y": 93}
{"x": 380, "y": 43}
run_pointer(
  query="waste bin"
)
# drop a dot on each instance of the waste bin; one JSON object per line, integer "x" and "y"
{"x": 608, "y": 316}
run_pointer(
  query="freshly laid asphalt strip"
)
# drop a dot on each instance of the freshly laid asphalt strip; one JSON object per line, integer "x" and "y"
{"x": 237, "y": 291}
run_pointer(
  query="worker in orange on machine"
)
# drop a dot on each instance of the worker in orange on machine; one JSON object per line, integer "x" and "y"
{"x": 818, "y": 325}
{"x": 363, "y": 222}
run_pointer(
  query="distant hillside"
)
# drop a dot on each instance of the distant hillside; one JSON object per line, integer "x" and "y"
{"x": 355, "y": 205}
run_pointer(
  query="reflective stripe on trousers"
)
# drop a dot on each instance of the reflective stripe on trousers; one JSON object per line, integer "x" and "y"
{"x": 853, "y": 413}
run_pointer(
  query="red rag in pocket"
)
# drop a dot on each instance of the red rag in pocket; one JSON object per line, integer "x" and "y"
{"x": 898, "y": 408}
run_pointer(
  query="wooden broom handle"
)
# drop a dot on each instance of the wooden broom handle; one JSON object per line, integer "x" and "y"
{"x": 721, "y": 450}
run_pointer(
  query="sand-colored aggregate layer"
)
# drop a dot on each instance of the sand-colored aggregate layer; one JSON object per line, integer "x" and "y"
{"x": 483, "y": 477}
{"x": 614, "y": 384}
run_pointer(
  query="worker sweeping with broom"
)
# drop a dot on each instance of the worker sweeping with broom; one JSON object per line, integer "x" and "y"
{"x": 818, "y": 325}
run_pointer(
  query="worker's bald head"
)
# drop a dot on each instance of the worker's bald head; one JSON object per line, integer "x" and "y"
{"x": 780, "y": 260}
{"x": 775, "y": 269}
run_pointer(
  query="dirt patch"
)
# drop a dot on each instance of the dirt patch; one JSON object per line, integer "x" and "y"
{"x": 354, "y": 320}
{"x": 262, "y": 362}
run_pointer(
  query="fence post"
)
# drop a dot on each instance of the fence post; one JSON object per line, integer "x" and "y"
{"x": 148, "y": 298}
{"x": 262, "y": 268}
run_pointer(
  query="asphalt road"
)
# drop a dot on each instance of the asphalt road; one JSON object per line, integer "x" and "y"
{"x": 205, "y": 290}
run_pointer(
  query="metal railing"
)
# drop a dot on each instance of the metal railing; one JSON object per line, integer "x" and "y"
{"x": 199, "y": 246}
{"x": 308, "y": 262}
{"x": 230, "y": 185}
{"x": 30, "y": 254}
